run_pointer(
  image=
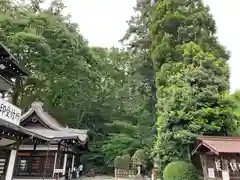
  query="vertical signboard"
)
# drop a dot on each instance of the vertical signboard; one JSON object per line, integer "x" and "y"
{"x": 211, "y": 173}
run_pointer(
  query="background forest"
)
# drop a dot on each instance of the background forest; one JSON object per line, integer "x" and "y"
{"x": 169, "y": 82}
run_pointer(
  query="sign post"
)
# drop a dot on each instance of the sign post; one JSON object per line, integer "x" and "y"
{"x": 225, "y": 175}
{"x": 154, "y": 177}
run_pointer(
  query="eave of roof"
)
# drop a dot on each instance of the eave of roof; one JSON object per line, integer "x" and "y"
{"x": 219, "y": 144}
{"x": 23, "y": 130}
{"x": 57, "y": 131}
{"x": 61, "y": 135}
{"x": 5, "y": 84}
{"x": 5, "y": 52}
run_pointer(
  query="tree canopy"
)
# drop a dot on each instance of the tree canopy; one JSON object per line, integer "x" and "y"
{"x": 166, "y": 85}
{"x": 192, "y": 77}
{"x": 92, "y": 88}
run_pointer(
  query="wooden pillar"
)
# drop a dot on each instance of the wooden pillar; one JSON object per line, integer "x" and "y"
{"x": 12, "y": 161}
{"x": 55, "y": 162}
{"x": 64, "y": 163}
{"x": 225, "y": 165}
{"x": 203, "y": 159}
{"x": 11, "y": 164}
{"x": 225, "y": 171}
{"x": 73, "y": 161}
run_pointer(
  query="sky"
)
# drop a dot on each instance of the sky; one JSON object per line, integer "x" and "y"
{"x": 103, "y": 23}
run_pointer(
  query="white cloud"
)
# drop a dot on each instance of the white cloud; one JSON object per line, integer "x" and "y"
{"x": 103, "y": 23}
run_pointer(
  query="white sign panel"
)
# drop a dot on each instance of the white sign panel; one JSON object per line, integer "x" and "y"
{"x": 211, "y": 173}
{"x": 58, "y": 170}
{"x": 9, "y": 112}
{"x": 225, "y": 175}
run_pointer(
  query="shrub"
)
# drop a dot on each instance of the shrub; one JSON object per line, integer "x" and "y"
{"x": 119, "y": 162}
{"x": 126, "y": 161}
{"x": 180, "y": 170}
{"x": 139, "y": 158}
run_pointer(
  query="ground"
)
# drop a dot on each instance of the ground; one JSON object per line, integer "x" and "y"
{"x": 102, "y": 178}
{"x": 98, "y": 178}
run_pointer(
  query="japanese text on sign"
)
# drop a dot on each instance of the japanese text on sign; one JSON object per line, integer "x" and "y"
{"x": 9, "y": 112}
{"x": 234, "y": 166}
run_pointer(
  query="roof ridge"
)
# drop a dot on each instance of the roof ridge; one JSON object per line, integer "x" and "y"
{"x": 37, "y": 107}
{"x": 218, "y": 137}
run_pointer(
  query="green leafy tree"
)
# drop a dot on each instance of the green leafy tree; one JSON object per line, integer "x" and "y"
{"x": 139, "y": 158}
{"x": 124, "y": 127}
{"x": 192, "y": 78}
{"x": 235, "y": 97}
{"x": 137, "y": 40}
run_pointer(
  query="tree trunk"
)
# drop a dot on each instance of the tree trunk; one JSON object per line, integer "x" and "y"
{"x": 16, "y": 91}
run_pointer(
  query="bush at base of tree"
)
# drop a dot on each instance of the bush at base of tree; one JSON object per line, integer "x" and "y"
{"x": 180, "y": 170}
{"x": 139, "y": 158}
{"x": 127, "y": 161}
{"x": 119, "y": 163}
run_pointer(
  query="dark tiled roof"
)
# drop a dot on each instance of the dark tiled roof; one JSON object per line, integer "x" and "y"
{"x": 57, "y": 131}
{"x": 61, "y": 134}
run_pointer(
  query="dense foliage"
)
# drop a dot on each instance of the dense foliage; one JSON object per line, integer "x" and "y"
{"x": 119, "y": 163}
{"x": 236, "y": 111}
{"x": 139, "y": 158}
{"x": 192, "y": 78}
{"x": 171, "y": 74}
{"x": 180, "y": 170}
{"x": 93, "y": 88}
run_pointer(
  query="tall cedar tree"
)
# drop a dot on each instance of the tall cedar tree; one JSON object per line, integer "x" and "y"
{"x": 192, "y": 78}
{"x": 137, "y": 40}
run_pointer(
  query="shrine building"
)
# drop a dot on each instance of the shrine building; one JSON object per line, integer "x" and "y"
{"x": 11, "y": 133}
{"x": 33, "y": 145}
{"x": 219, "y": 157}
{"x": 51, "y": 159}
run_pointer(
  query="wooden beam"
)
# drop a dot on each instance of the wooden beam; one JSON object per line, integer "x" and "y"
{"x": 35, "y": 147}
{"x": 203, "y": 159}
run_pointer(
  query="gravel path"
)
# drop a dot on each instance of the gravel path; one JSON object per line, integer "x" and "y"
{"x": 98, "y": 178}
{"x": 102, "y": 178}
